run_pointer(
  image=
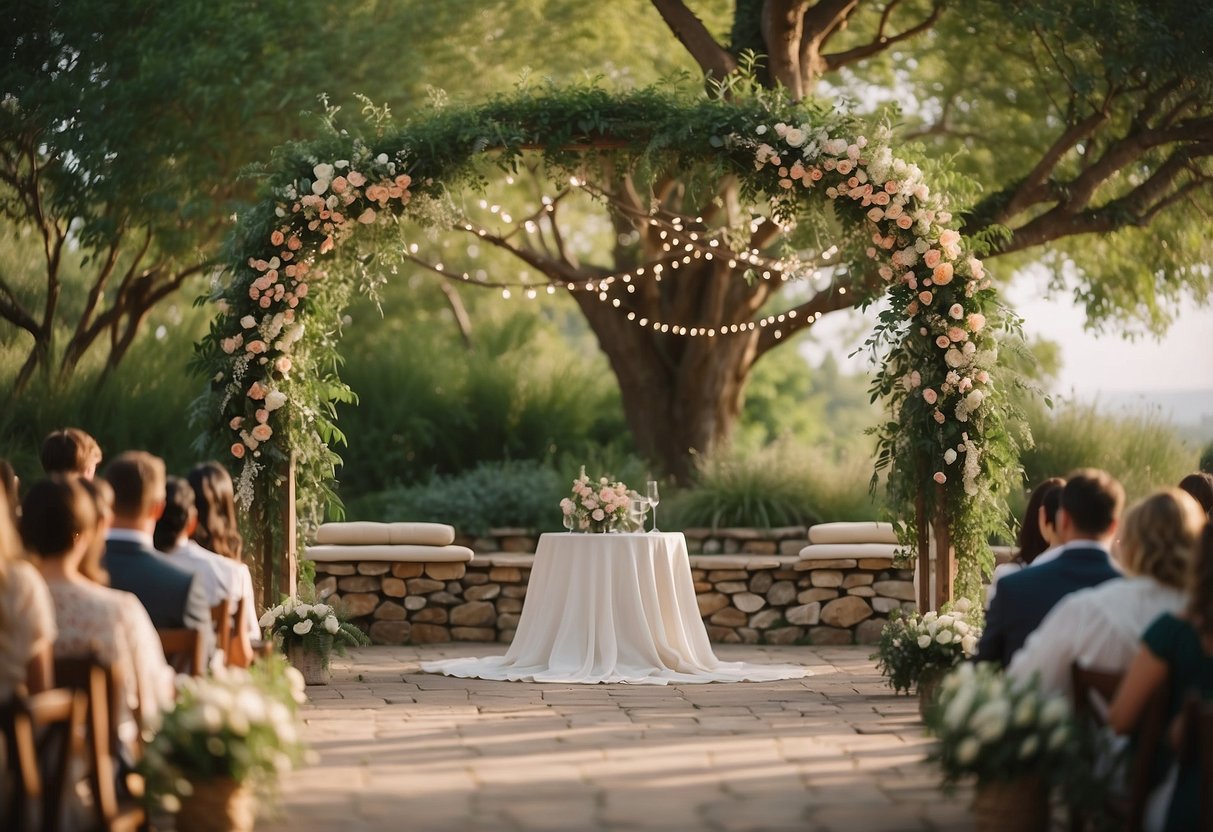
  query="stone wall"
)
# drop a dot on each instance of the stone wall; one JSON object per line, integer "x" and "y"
{"x": 773, "y": 599}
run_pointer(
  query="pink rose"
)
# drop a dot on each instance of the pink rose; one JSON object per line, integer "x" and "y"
{"x": 949, "y": 237}
{"x": 932, "y": 258}
{"x": 254, "y": 292}
{"x": 983, "y": 377}
{"x": 262, "y": 433}
{"x": 957, "y": 311}
{"x": 276, "y": 237}
{"x": 236, "y": 422}
{"x": 339, "y": 185}
{"x": 977, "y": 321}
{"x": 265, "y": 301}
{"x": 327, "y": 245}
{"x": 875, "y": 214}
{"x": 930, "y": 396}
{"x": 301, "y": 290}
{"x": 880, "y": 198}
{"x": 815, "y": 174}
{"x": 263, "y": 415}
{"x": 403, "y": 181}
{"x": 942, "y": 342}
{"x": 890, "y": 187}
{"x": 940, "y": 477}
{"x": 845, "y": 166}
{"x": 912, "y": 309}
{"x": 939, "y": 417}
{"x": 785, "y": 183}
{"x": 294, "y": 243}
{"x": 925, "y": 297}
{"x": 283, "y": 364}
{"x": 238, "y": 450}
{"x": 943, "y": 274}
{"x": 256, "y": 391}
{"x": 904, "y": 222}
{"x": 957, "y": 334}
{"x": 367, "y": 217}
{"x": 357, "y": 179}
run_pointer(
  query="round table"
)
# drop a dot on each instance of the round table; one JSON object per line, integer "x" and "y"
{"x": 611, "y": 608}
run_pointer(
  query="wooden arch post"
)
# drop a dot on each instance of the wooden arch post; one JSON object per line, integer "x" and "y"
{"x": 934, "y": 536}
{"x": 279, "y": 554}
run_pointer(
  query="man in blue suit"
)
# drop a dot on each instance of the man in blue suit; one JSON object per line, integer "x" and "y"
{"x": 172, "y": 596}
{"x": 1090, "y": 506}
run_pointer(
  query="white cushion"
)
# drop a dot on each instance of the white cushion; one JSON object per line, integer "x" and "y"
{"x": 423, "y": 534}
{"x": 867, "y": 532}
{"x": 353, "y": 534}
{"x": 403, "y": 553}
{"x": 838, "y": 551}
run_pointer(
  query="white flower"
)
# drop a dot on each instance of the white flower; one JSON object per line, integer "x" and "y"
{"x": 1025, "y": 712}
{"x": 303, "y": 627}
{"x": 248, "y": 322}
{"x": 1029, "y": 747}
{"x": 924, "y": 641}
{"x": 967, "y": 750}
{"x": 795, "y": 137}
{"x": 323, "y": 171}
{"x": 990, "y": 720}
{"x": 1058, "y": 738}
{"x": 945, "y": 637}
{"x": 949, "y": 456}
{"x": 267, "y": 619}
{"x": 331, "y": 624}
{"x": 1055, "y": 710}
{"x": 969, "y": 645}
{"x": 962, "y": 604}
{"x": 321, "y": 609}
{"x": 274, "y": 400}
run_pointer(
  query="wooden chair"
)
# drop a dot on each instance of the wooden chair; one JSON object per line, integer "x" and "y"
{"x": 1093, "y": 691}
{"x": 116, "y": 810}
{"x": 42, "y": 736}
{"x": 183, "y": 649}
{"x": 221, "y": 619}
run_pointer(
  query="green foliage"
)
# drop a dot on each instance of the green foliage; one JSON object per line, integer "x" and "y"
{"x": 1206, "y": 459}
{"x": 316, "y": 627}
{"x": 144, "y": 404}
{"x": 491, "y": 495}
{"x": 914, "y": 647}
{"x": 428, "y": 404}
{"x": 779, "y": 485}
{"x": 1143, "y": 451}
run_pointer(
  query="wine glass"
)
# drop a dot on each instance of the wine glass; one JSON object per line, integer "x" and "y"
{"x": 568, "y": 522}
{"x": 654, "y": 498}
{"x": 638, "y": 506}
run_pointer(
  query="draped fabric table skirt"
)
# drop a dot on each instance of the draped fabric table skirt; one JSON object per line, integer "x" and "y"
{"x": 611, "y": 608}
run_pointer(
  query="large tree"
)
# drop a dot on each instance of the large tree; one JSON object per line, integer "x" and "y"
{"x": 123, "y": 128}
{"x": 1087, "y": 128}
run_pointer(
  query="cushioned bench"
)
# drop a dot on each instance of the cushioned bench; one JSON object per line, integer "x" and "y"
{"x": 836, "y": 541}
{"x": 394, "y": 542}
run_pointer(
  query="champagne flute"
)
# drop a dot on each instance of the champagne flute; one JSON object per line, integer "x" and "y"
{"x": 568, "y": 522}
{"x": 654, "y": 498}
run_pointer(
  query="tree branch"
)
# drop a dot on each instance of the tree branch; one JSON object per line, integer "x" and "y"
{"x": 712, "y": 58}
{"x": 880, "y": 42}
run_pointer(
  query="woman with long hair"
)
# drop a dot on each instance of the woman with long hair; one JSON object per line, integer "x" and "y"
{"x": 59, "y": 522}
{"x": 218, "y": 531}
{"x": 1176, "y": 650}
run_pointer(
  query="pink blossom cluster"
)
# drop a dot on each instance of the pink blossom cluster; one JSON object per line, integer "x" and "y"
{"x": 602, "y": 501}
{"x": 916, "y": 253}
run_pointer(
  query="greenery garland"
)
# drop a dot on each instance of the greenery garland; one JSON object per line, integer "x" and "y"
{"x": 272, "y": 350}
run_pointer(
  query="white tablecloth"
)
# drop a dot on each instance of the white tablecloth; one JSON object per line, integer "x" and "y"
{"x": 611, "y": 608}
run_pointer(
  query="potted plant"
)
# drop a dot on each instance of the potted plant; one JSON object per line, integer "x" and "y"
{"x": 918, "y": 650}
{"x": 226, "y": 738}
{"x": 308, "y": 634}
{"x": 1011, "y": 737}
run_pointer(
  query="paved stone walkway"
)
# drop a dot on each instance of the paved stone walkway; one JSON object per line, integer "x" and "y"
{"x": 404, "y": 750}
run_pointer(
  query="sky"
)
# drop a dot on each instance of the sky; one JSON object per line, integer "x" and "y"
{"x": 1093, "y": 366}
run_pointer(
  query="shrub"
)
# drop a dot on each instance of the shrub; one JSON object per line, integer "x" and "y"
{"x": 523, "y": 494}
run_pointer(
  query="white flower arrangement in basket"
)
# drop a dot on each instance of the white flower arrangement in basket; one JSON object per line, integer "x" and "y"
{"x": 596, "y": 506}
{"x": 314, "y": 628}
{"x": 914, "y": 647}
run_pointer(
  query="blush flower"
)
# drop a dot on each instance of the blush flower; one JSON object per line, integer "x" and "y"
{"x": 930, "y": 396}
{"x": 262, "y": 432}
{"x": 940, "y": 477}
{"x": 956, "y": 311}
{"x": 238, "y": 450}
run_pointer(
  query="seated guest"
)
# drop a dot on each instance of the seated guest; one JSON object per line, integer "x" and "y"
{"x": 171, "y": 595}
{"x": 1101, "y": 627}
{"x": 1200, "y": 486}
{"x": 1037, "y": 532}
{"x": 1090, "y": 505}
{"x": 27, "y": 619}
{"x": 218, "y": 531}
{"x": 71, "y": 451}
{"x": 1176, "y": 650}
{"x": 59, "y": 523}
{"x": 221, "y": 576}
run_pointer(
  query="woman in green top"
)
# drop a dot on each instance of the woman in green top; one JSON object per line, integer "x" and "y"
{"x": 1178, "y": 651}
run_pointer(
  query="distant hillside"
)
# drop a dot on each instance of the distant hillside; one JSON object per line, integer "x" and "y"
{"x": 1191, "y": 411}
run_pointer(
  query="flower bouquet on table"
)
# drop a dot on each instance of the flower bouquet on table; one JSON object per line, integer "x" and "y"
{"x": 1013, "y": 738}
{"x": 917, "y": 650}
{"x": 225, "y": 738}
{"x": 308, "y": 634}
{"x": 596, "y": 506}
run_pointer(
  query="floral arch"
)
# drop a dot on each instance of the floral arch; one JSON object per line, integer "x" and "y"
{"x": 293, "y": 262}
